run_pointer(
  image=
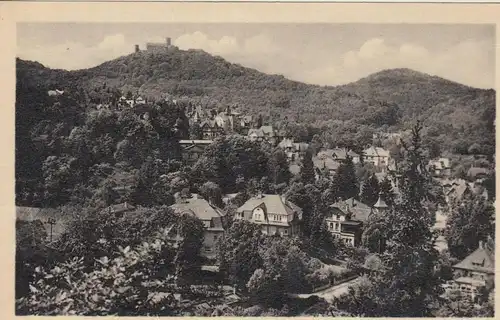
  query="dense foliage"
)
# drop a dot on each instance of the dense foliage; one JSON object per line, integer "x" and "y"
{"x": 471, "y": 221}
{"x": 458, "y": 117}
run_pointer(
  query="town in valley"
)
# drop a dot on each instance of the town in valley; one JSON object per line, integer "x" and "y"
{"x": 171, "y": 182}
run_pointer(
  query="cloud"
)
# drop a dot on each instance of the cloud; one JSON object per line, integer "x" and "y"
{"x": 465, "y": 62}
{"x": 199, "y": 40}
{"x": 74, "y": 55}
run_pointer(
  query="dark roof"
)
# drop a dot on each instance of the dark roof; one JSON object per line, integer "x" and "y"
{"x": 358, "y": 210}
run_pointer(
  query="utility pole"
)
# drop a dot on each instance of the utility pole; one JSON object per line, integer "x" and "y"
{"x": 51, "y": 222}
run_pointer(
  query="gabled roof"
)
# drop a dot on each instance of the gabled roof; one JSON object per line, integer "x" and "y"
{"x": 286, "y": 143}
{"x": 376, "y": 152}
{"x": 358, "y": 210}
{"x": 256, "y": 132}
{"x": 198, "y": 207}
{"x": 342, "y": 153}
{"x": 209, "y": 123}
{"x": 482, "y": 260}
{"x": 274, "y": 204}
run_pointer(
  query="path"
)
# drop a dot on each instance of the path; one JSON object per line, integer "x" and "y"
{"x": 330, "y": 293}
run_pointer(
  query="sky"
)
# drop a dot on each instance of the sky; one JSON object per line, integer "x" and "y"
{"x": 324, "y": 54}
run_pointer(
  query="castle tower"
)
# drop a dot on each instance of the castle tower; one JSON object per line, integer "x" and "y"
{"x": 169, "y": 41}
{"x": 137, "y": 48}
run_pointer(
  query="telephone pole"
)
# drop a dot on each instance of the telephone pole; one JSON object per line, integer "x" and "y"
{"x": 51, "y": 222}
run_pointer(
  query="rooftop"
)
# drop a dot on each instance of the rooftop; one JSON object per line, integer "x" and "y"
{"x": 198, "y": 207}
{"x": 359, "y": 211}
{"x": 274, "y": 204}
{"x": 482, "y": 260}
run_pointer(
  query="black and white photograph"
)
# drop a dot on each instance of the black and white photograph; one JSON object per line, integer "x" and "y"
{"x": 255, "y": 169}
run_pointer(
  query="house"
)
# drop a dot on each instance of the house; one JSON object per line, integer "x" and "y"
{"x": 294, "y": 151}
{"x": 326, "y": 165}
{"x": 140, "y": 101}
{"x": 379, "y": 157}
{"x": 265, "y": 133}
{"x": 341, "y": 154}
{"x": 440, "y": 167}
{"x": 227, "y": 120}
{"x": 457, "y": 189}
{"x": 476, "y": 271}
{"x": 212, "y": 218}
{"x": 192, "y": 150}
{"x": 245, "y": 124}
{"x": 477, "y": 173}
{"x": 273, "y": 212}
{"x": 346, "y": 219}
{"x": 210, "y": 130}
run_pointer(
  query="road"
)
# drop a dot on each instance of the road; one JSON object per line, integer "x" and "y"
{"x": 330, "y": 293}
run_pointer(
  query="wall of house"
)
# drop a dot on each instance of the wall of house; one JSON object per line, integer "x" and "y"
{"x": 210, "y": 240}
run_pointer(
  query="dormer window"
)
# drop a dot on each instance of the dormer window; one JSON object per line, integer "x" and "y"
{"x": 478, "y": 263}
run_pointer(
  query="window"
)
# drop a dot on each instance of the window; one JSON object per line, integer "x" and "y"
{"x": 337, "y": 226}
{"x": 331, "y": 225}
{"x": 215, "y": 237}
{"x": 338, "y": 217}
{"x": 285, "y": 231}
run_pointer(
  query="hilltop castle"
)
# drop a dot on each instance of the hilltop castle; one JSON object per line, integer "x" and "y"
{"x": 157, "y": 47}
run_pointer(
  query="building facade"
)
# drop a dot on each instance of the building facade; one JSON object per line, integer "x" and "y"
{"x": 192, "y": 150}
{"x": 379, "y": 157}
{"x": 274, "y": 213}
{"x": 347, "y": 218}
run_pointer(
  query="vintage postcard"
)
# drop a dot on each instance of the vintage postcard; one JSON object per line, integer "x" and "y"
{"x": 261, "y": 160}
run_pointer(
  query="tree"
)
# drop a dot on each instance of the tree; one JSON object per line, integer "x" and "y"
{"x": 195, "y": 131}
{"x": 187, "y": 260}
{"x": 307, "y": 174}
{"x": 386, "y": 192}
{"x": 374, "y": 235}
{"x": 278, "y": 167}
{"x": 228, "y": 159}
{"x": 346, "y": 181}
{"x": 238, "y": 254}
{"x": 212, "y": 193}
{"x": 370, "y": 191}
{"x": 407, "y": 284}
{"x": 470, "y": 221}
{"x": 284, "y": 269}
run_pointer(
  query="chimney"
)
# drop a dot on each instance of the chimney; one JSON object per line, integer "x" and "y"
{"x": 169, "y": 42}
{"x": 137, "y": 48}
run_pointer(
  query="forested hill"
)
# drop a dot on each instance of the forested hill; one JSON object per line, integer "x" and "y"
{"x": 456, "y": 116}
